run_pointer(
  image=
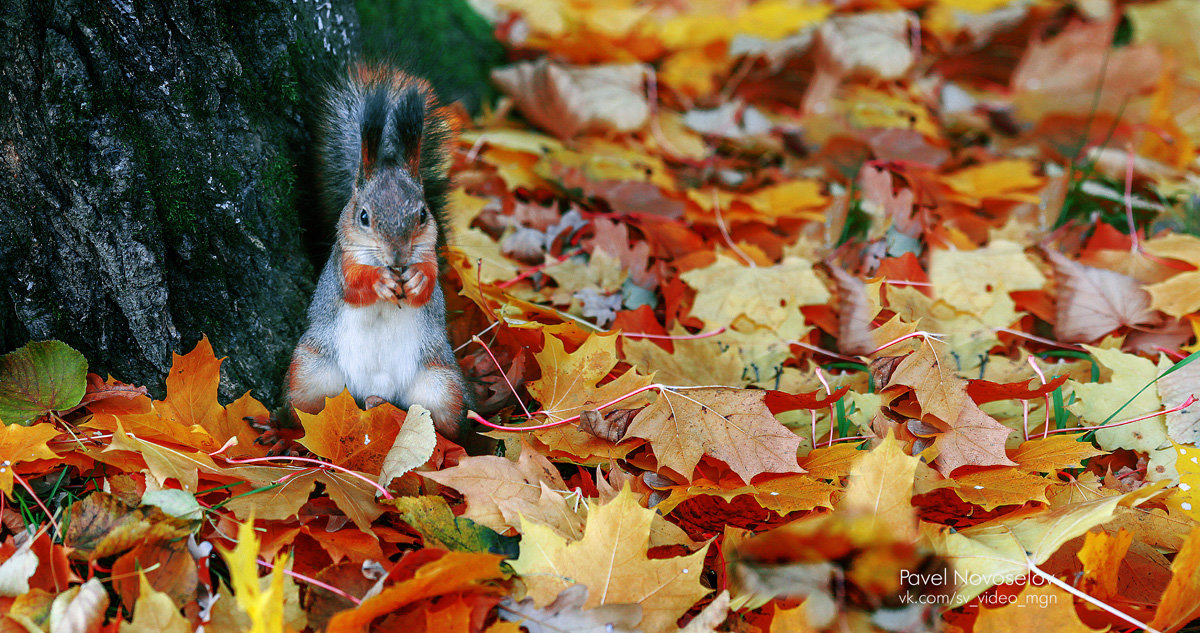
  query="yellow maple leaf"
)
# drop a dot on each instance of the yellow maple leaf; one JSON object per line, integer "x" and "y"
{"x": 1101, "y": 556}
{"x": 881, "y": 487}
{"x": 22, "y": 444}
{"x": 731, "y": 295}
{"x": 995, "y": 487}
{"x": 1037, "y": 608}
{"x": 1048, "y": 454}
{"x": 1012, "y": 180}
{"x": 264, "y": 606}
{"x": 1179, "y": 295}
{"x": 611, "y": 560}
{"x": 568, "y": 382}
{"x": 970, "y": 280}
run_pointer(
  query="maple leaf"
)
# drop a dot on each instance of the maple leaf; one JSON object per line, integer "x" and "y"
{"x": 500, "y": 492}
{"x": 783, "y": 494}
{"x": 1049, "y": 454}
{"x": 449, "y": 573}
{"x": 732, "y": 425}
{"x": 567, "y": 100}
{"x": 968, "y": 280}
{"x": 568, "y": 384}
{"x": 997, "y": 487}
{"x": 970, "y": 437}
{"x": 934, "y": 383}
{"x": 190, "y": 415}
{"x": 566, "y": 613}
{"x": 881, "y": 487}
{"x": 974, "y": 438}
{"x": 611, "y": 561}
{"x": 728, "y": 293}
{"x": 1055, "y": 611}
{"x": 349, "y": 436}
{"x": 1093, "y": 301}
{"x": 1101, "y": 556}
{"x": 22, "y": 444}
{"x": 696, "y": 362}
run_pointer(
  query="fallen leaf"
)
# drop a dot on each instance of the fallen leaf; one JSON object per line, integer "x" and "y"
{"x": 1053, "y": 453}
{"x": 1179, "y": 605}
{"x": 1101, "y": 556}
{"x": 732, "y": 425}
{"x": 38, "y": 378}
{"x": 23, "y": 444}
{"x": 995, "y": 487}
{"x": 568, "y": 384}
{"x": 413, "y": 446}
{"x": 728, "y": 293}
{"x": 1093, "y": 301}
{"x": 79, "y": 608}
{"x": 501, "y": 493}
{"x": 432, "y": 518}
{"x": 1041, "y": 607}
{"x": 567, "y": 100}
{"x": 611, "y": 561}
{"x": 880, "y": 488}
{"x": 566, "y": 613}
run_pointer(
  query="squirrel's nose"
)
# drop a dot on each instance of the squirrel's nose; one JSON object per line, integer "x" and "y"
{"x": 399, "y": 259}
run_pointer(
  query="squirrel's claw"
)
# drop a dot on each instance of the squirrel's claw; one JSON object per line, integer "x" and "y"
{"x": 415, "y": 282}
{"x": 388, "y": 287}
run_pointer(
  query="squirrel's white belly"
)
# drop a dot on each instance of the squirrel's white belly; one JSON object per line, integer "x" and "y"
{"x": 378, "y": 349}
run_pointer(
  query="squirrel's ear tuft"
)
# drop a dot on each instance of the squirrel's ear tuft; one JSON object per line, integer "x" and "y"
{"x": 374, "y": 119}
{"x": 408, "y": 120}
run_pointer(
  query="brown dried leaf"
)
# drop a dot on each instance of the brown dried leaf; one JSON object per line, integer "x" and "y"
{"x": 566, "y": 100}
{"x": 732, "y": 425}
{"x": 1093, "y": 301}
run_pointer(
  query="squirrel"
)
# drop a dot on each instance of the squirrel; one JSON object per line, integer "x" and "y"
{"x": 377, "y": 322}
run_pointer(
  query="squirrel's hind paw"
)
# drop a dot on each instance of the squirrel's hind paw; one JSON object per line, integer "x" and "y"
{"x": 282, "y": 441}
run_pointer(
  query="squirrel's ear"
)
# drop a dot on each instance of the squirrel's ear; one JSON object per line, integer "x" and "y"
{"x": 408, "y": 119}
{"x": 374, "y": 119}
{"x": 365, "y": 165}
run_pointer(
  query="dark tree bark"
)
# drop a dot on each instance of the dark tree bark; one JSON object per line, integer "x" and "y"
{"x": 152, "y": 157}
{"x": 156, "y": 168}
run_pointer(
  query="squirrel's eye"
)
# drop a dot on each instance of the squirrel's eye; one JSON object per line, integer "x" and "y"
{"x": 424, "y": 214}
{"x": 363, "y": 218}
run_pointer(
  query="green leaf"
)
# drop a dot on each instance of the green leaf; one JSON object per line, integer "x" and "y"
{"x": 432, "y": 518}
{"x": 41, "y": 377}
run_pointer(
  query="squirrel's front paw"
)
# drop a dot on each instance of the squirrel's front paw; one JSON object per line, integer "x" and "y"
{"x": 419, "y": 282}
{"x": 388, "y": 287}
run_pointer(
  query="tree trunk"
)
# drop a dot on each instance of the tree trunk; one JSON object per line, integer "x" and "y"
{"x": 153, "y": 154}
